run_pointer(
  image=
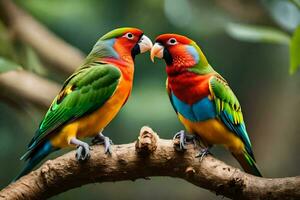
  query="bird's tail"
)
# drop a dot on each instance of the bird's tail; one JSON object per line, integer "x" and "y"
{"x": 35, "y": 156}
{"x": 248, "y": 163}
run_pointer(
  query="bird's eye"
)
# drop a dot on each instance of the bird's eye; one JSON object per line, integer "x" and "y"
{"x": 129, "y": 36}
{"x": 172, "y": 41}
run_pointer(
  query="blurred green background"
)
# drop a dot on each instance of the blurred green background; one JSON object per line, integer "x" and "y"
{"x": 258, "y": 72}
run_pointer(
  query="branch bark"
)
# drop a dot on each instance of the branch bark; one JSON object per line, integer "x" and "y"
{"x": 29, "y": 87}
{"x": 62, "y": 56}
{"x": 149, "y": 156}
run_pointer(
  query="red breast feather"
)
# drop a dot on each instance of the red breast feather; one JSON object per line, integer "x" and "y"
{"x": 188, "y": 86}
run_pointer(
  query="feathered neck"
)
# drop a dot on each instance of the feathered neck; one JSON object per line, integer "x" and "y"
{"x": 102, "y": 49}
{"x": 196, "y": 69}
{"x": 108, "y": 51}
{"x": 189, "y": 59}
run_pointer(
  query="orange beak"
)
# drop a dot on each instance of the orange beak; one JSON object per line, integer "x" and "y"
{"x": 157, "y": 51}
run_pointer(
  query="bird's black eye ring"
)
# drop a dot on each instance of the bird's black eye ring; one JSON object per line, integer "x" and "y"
{"x": 172, "y": 41}
{"x": 129, "y": 36}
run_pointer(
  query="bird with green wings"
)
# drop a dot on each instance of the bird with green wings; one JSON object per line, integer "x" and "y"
{"x": 90, "y": 98}
{"x": 203, "y": 100}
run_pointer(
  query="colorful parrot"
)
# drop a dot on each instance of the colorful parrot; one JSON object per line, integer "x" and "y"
{"x": 203, "y": 100}
{"x": 90, "y": 98}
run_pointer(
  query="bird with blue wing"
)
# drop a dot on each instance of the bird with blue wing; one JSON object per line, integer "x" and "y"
{"x": 203, "y": 100}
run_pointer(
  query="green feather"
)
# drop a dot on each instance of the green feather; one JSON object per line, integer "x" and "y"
{"x": 225, "y": 100}
{"x": 115, "y": 33}
{"x": 202, "y": 67}
{"x": 91, "y": 88}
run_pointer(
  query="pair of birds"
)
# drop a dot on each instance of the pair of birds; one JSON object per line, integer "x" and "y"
{"x": 92, "y": 96}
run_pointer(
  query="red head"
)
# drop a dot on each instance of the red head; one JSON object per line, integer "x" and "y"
{"x": 178, "y": 51}
{"x": 184, "y": 61}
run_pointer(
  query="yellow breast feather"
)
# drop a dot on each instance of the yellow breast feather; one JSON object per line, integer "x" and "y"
{"x": 213, "y": 131}
{"x": 90, "y": 125}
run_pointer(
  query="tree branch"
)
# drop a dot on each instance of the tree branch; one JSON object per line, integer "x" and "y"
{"x": 62, "y": 56}
{"x": 149, "y": 156}
{"x": 52, "y": 49}
{"x": 27, "y": 86}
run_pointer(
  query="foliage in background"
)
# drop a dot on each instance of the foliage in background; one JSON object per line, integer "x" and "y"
{"x": 7, "y": 55}
{"x": 6, "y": 65}
{"x": 295, "y": 51}
{"x": 16, "y": 55}
{"x": 286, "y": 13}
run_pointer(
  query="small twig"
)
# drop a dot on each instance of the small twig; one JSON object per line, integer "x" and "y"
{"x": 147, "y": 141}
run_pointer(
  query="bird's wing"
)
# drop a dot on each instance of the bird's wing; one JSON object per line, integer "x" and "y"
{"x": 84, "y": 92}
{"x": 228, "y": 109}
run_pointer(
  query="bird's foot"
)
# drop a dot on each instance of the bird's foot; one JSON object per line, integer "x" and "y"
{"x": 203, "y": 152}
{"x": 183, "y": 140}
{"x": 101, "y": 139}
{"x": 83, "y": 149}
{"x": 83, "y": 152}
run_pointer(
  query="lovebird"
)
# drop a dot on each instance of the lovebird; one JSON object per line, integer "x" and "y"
{"x": 90, "y": 98}
{"x": 203, "y": 100}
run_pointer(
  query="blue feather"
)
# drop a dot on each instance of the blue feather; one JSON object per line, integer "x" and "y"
{"x": 239, "y": 129}
{"x": 35, "y": 156}
{"x": 202, "y": 110}
{"x": 193, "y": 52}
